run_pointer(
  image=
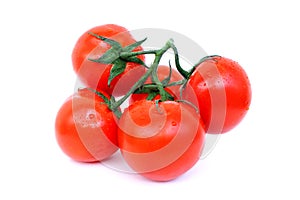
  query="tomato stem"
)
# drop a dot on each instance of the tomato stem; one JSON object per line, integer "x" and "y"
{"x": 209, "y": 57}
{"x": 183, "y": 72}
{"x": 125, "y": 55}
{"x": 151, "y": 71}
{"x": 189, "y": 103}
{"x": 175, "y": 83}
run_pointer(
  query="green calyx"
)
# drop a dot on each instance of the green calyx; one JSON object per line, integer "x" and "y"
{"x": 108, "y": 101}
{"x": 113, "y": 56}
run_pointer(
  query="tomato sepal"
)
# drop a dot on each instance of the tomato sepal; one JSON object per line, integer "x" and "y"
{"x": 113, "y": 56}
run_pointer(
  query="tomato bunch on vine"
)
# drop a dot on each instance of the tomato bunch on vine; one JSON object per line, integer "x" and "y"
{"x": 161, "y": 131}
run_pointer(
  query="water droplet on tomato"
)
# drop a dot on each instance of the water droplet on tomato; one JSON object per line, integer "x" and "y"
{"x": 91, "y": 116}
{"x": 174, "y": 123}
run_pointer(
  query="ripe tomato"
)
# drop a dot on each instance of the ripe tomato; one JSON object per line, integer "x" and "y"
{"x": 162, "y": 141}
{"x": 95, "y": 75}
{"x": 222, "y": 91}
{"x": 85, "y": 128}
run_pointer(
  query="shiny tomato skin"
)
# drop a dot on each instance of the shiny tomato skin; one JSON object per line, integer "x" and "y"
{"x": 160, "y": 142}
{"x": 85, "y": 128}
{"x": 95, "y": 75}
{"x": 223, "y": 93}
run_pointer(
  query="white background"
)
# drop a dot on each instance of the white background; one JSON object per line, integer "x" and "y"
{"x": 258, "y": 159}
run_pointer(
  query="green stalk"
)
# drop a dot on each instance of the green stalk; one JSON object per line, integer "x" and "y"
{"x": 184, "y": 73}
{"x": 152, "y": 70}
{"x": 136, "y": 53}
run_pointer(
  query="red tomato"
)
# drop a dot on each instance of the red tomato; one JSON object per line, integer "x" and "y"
{"x": 95, "y": 75}
{"x": 160, "y": 142}
{"x": 221, "y": 89}
{"x": 85, "y": 128}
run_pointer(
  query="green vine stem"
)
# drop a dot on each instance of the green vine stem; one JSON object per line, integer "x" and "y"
{"x": 125, "y": 55}
{"x": 184, "y": 73}
{"x": 151, "y": 71}
{"x": 119, "y": 56}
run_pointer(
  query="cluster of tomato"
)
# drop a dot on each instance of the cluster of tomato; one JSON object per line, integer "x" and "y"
{"x": 162, "y": 131}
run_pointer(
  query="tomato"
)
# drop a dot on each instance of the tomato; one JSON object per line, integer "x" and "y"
{"x": 86, "y": 130}
{"x": 160, "y": 141}
{"x": 95, "y": 75}
{"x": 222, "y": 91}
